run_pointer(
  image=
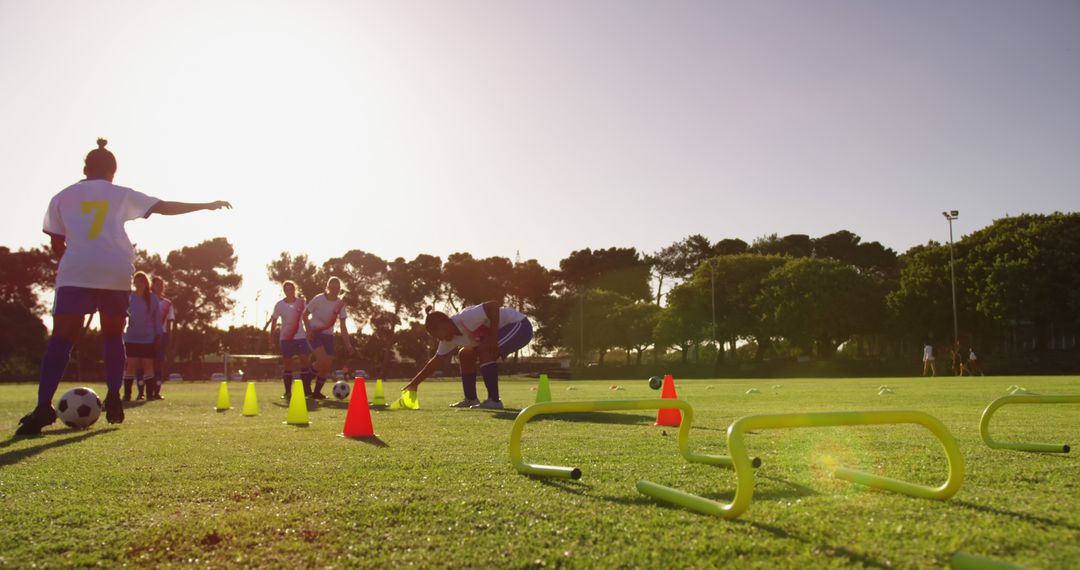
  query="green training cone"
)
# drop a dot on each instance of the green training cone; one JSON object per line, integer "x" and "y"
{"x": 298, "y": 415}
{"x": 251, "y": 403}
{"x": 378, "y": 399}
{"x": 543, "y": 391}
{"x": 223, "y": 398}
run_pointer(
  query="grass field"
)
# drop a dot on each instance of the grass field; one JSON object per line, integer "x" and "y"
{"x": 180, "y": 484}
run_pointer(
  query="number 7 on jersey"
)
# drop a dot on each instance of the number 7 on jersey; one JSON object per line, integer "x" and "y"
{"x": 99, "y": 208}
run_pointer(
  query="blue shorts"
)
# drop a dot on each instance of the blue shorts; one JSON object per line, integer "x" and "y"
{"x": 295, "y": 347}
{"x": 86, "y": 301}
{"x": 514, "y": 336}
{"x": 326, "y": 341}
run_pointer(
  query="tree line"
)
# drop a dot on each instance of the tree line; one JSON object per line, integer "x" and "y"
{"x": 696, "y": 300}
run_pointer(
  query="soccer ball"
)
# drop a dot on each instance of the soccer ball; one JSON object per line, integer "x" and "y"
{"x": 656, "y": 382}
{"x": 79, "y": 408}
{"x": 341, "y": 390}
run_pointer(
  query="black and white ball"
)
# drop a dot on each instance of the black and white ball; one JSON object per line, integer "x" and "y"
{"x": 341, "y": 390}
{"x": 656, "y": 382}
{"x": 79, "y": 408}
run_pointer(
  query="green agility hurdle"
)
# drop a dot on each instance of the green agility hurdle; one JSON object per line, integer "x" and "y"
{"x": 744, "y": 489}
{"x": 984, "y": 424}
{"x": 578, "y": 407}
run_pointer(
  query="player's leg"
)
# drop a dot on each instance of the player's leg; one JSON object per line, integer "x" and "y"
{"x": 159, "y": 366}
{"x": 66, "y": 330}
{"x": 286, "y": 367}
{"x": 149, "y": 377}
{"x": 304, "y": 358}
{"x": 511, "y": 338}
{"x": 326, "y": 365}
{"x": 113, "y": 313}
{"x": 467, "y": 361}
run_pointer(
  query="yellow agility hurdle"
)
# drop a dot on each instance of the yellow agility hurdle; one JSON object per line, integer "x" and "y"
{"x": 744, "y": 489}
{"x": 577, "y": 407}
{"x": 984, "y": 424}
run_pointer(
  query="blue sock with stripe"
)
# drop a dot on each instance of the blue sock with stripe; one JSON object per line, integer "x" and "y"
{"x": 490, "y": 371}
{"x": 53, "y": 363}
{"x": 468, "y": 385}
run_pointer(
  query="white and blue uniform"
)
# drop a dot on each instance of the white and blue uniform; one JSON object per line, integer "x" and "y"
{"x": 515, "y": 330}
{"x": 293, "y": 338}
{"x": 325, "y": 314}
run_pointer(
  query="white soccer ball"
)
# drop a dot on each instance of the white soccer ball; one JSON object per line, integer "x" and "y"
{"x": 79, "y": 408}
{"x": 341, "y": 390}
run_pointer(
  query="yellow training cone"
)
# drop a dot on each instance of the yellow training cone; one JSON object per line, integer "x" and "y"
{"x": 298, "y": 415}
{"x": 378, "y": 399}
{"x": 251, "y": 403}
{"x": 543, "y": 392}
{"x": 223, "y": 398}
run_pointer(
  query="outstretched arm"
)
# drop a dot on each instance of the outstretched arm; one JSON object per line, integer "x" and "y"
{"x": 432, "y": 365}
{"x": 178, "y": 208}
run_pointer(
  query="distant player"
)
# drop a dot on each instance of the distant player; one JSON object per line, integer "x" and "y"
{"x": 85, "y": 222}
{"x": 323, "y": 312}
{"x": 168, "y": 319}
{"x": 481, "y": 333}
{"x": 973, "y": 365}
{"x": 293, "y": 337}
{"x": 142, "y": 337}
{"x": 928, "y": 360}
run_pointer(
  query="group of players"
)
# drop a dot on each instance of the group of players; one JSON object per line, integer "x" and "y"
{"x": 96, "y": 275}
{"x": 960, "y": 366}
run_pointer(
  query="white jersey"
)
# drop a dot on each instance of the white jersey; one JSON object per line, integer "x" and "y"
{"x": 928, "y": 353}
{"x": 325, "y": 313}
{"x": 971, "y": 356}
{"x": 90, "y": 215}
{"x": 168, "y": 313}
{"x": 292, "y": 318}
{"x": 474, "y": 325}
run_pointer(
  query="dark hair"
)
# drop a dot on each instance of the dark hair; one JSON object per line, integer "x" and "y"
{"x": 100, "y": 162}
{"x": 434, "y": 319}
{"x": 146, "y": 294}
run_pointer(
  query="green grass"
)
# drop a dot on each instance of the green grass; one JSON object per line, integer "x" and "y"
{"x": 179, "y": 484}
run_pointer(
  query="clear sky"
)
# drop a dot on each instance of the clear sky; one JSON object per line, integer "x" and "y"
{"x": 496, "y": 127}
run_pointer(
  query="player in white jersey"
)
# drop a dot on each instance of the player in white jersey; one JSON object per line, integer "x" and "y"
{"x": 168, "y": 319}
{"x": 85, "y": 222}
{"x": 928, "y": 360}
{"x": 293, "y": 337}
{"x": 323, "y": 312}
{"x": 481, "y": 333}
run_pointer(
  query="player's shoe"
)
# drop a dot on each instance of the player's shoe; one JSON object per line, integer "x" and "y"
{"x": 31, "y": 423}
{"x": 114, "y": 408}
{"x": 318, "y": 396}
{"x": 489, "y": 405}
{"x": 466, "y": 403}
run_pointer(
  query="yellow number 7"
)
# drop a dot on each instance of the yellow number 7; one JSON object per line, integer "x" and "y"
{"x": 100, "y": 208}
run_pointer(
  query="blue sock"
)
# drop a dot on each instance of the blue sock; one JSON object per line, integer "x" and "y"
{"x": 114, "y": 362}
{"x": 286, "y": 378}
{"x": 468, "y": 384}
{"x": 490, "y": 371}
{"x": 306, "y": 376}
{"x": 57, "y": 353}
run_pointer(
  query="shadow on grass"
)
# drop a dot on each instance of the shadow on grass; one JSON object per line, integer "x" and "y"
{"x": 373, "y": 440}
{"x": 587, "y": 417}
{"x": 311, "y": 405}
{"x": 13, "y": 457}
{"x": 827, "y": 549}
{"x": 1026, "y": 517}
{"x": 129, "y": 404}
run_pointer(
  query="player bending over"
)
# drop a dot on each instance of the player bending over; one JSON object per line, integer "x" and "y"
{"x": 293, "y": 339}
{"x": 323, "y": 312}
{"x": 142, "y": 336}
{"x": 86, "y": 224}
{"x": 481, "y": 333}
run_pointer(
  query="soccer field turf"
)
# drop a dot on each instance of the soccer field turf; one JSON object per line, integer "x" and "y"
{"x": 178, "y": 483}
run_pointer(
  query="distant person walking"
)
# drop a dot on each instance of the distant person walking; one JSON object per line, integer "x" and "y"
{"x": 928, "y": 360}
{"x": 973, "y": 365}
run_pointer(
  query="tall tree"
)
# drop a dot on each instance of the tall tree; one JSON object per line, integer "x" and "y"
{"x": 793, "y": 245}
{"x": 819, "y": 303}
{"x": 621, "y": 270}
{"x": 412, "y": 284}
{"x": 204, "y": 278}
{"x": 471, "y": 281}
{"x": 299, "y": 269}
{"x": 24, "y": 275}
{"x": 364, "y": 275}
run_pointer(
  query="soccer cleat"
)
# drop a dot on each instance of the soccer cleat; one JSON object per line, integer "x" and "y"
{"x": 114, "y": 408}
{"x": 465, "y": 404}
{"x": 489, "y": 405}
{"x": 318, "y": 396}
{"x": 31, "y": 423}
{"x": 286, "y": 396}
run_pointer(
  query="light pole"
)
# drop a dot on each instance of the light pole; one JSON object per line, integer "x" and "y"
{"x": 712, "y": 283}
{"x": 950, "y": 216}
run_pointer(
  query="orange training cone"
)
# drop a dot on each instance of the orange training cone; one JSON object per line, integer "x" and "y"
{"x": 670, "y": 417}
{"x": 358, "y": 418}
